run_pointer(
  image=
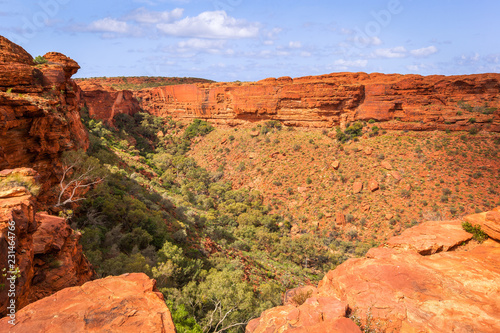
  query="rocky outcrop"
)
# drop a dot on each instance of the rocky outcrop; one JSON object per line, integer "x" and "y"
{"x": 104, "y": 104}
{"x": 410, "y": 102}
{"x": 39, "y": 112}
{"x": 46, "y": 252}
{"x": 429, "y": 279}
{"x": 488, "y": 221}
{"x": 126, "y": 303}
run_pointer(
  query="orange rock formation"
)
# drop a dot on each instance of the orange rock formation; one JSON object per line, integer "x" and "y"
{"x": 420, "y": 281}
{"x": 126, "y": 303}
{"x": 46, "y": 248}
{"x": 39, "y": 111}
{"x": 105, "y": 103}
{"x": 410, "y": 102}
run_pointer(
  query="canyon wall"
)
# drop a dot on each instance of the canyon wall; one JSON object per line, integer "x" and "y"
{"x": 39, "y": 112}
{"x": 47, "y": 252}
{"x": 103, "y": 103}
{"x": 410, "y": 102}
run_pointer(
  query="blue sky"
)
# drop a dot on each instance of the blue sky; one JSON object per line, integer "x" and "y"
{"x": 228, "y": 40}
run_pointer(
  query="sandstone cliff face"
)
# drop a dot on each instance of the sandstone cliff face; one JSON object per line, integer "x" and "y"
{"x": 410, "y": 102}
{"x": 47, "y": 252}
{"x": 39, "y": 111}
{"x": 424, "y": 280}
{"x": 126, "y": 303}
{"x": 104, "y": 104}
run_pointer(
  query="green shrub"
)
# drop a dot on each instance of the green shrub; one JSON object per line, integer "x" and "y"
{"x": 39, "y": 60}
{"x": 476, "y": 231}
{"x": 198, "y": 128}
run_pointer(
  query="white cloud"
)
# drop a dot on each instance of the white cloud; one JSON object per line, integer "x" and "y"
{"x": 413, "y": 68}
{"x": 216, "y": 24}
{"x": 108, "y": 25}
{"x": 367, "y": 41}
{"x": 395, "y": 52}
{"x": 295, "y": 45}
{"x": 351, "y": 63}
{"x": 142, "y": 15}
{"x": 424, "y": 52}
{"x": 196, "y": 43}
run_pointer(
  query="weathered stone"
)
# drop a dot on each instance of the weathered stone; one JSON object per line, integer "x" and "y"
{"x": 386, "y": 165}
{"x": 336, "y": 165}
{"x": 125, "y": 303}
{"x": 47, "y": 250}
{"x": 357, "y": 187}
{"x": 373, "y": 185}
{"x": 431, "y": 237}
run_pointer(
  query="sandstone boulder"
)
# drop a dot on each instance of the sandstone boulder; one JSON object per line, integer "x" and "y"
{"x": 386, "y": 165}
{"x": 373, "y": 185}
{"x": 125, "y": 303}
{"x": 336, "y": 165}
{"x": 357, "y": 187}
{"x": 431, "y": 237}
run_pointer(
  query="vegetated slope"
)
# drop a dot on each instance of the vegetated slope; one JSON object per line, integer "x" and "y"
{"x": 369, "y": 189}
{"x": 212, "y": 248}
{"x": 140, "y": 82}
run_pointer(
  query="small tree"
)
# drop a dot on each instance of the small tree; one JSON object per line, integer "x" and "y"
{"x": 80, "y": 172}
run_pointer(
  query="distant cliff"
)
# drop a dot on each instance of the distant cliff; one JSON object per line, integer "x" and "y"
{"x": 410, "y": 102}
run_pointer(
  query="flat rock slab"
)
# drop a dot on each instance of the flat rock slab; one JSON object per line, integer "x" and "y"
{"x": 126, "y": 303}
{"x": 431, "y": 237}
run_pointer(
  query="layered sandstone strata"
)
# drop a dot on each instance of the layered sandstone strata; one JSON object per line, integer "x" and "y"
{"x": 39, "y": 111}
{"x": 409, "y": 102}
{"x": 48, "y": 257}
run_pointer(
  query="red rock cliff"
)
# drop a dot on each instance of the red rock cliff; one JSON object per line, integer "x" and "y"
{"x": 402, "y": 101}
{"x": 39, "y": 111}
{"x": 46, "y": 249}
{"x": 105, "y": 103}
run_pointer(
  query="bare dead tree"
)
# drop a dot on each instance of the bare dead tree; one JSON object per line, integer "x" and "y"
{"x": 79, "y": 172}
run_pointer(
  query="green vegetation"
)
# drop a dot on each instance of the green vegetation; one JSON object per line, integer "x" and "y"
{"x": 484, "y": 109}
{"x": 476, "y": 231}
{"x": 353, "y": 131}
{"x": 40, "y": 60}
{"x": 217, "y": 253}
{"x": 18, "y": 180}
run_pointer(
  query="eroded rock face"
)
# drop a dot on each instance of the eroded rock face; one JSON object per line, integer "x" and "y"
{"x": 410, "y": 102}
{"x": 126, "y": 303}
{"x": 39, "y": 112}
{"x": 407, "y": 285}
{"x": 104, "y": 104}
{"x": 46, "y": 248}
